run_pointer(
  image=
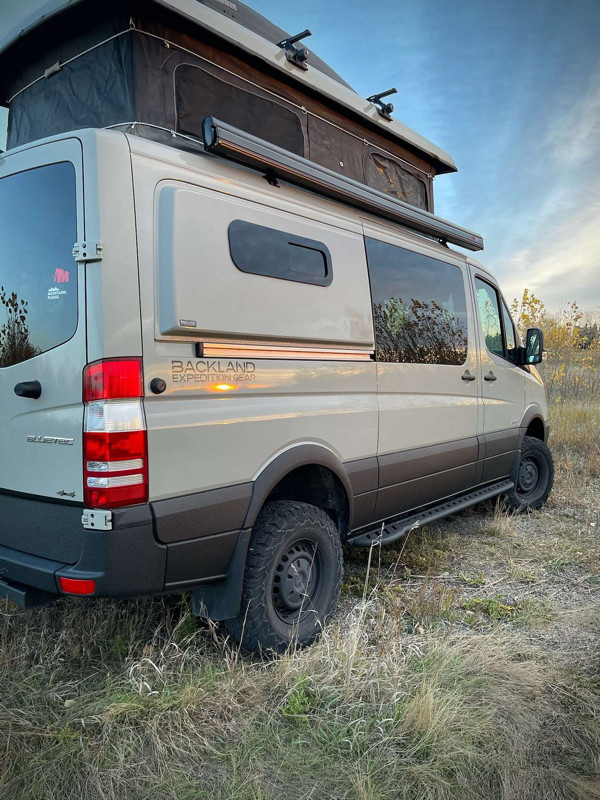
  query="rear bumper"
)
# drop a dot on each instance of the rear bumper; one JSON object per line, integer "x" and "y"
{"x": 126, "y": 561}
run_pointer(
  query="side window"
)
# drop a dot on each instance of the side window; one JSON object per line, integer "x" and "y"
{"x": 419, "y": 306}
{"x": 496, "y": 324}
{"x": 276, "y": 254}
{"x": 489, "y": 317}
{"x": 509, "y": 334}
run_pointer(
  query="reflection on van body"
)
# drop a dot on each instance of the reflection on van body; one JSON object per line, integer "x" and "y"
{"x": 430, "y": 327}
{"x": 418, "y": 333}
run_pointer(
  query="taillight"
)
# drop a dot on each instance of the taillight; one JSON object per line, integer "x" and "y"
{"x": 110, "y": 380}
{"x": 115, "y": 451}
{"x": 77, "y": 585}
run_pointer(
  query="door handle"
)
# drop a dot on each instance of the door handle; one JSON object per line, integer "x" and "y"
{"x": 490, "y": 377}
{"x": 466, "y": 376}
{"x": 31, "y": 389}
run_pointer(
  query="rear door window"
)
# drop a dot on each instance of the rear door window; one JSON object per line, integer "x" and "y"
{"x": 38, "y": 276}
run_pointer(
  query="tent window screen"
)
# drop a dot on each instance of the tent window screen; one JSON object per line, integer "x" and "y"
{"x": 276, "y": 254}
{"x": 388, "y": 176}
{"x": 198, "y": 94}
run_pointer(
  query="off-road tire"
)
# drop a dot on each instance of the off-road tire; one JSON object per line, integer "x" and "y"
{"x": 535, "y": 476}
{"x": 280, "y": 569}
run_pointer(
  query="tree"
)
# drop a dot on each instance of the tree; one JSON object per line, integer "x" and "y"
{"x": 561, "y": 331}
{"x": 15, "y": 344}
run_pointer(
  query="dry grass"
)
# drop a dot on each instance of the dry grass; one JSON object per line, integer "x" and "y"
{"x": 463, "y": 665}
{"x": 115, "y": 704}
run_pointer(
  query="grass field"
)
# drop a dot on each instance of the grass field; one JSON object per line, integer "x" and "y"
{"x": 461, "y": 664}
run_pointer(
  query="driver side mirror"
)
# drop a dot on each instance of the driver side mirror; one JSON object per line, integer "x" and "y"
{"x": 533, "y": 352}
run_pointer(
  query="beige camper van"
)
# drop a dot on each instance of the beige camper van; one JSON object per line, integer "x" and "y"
{"x": 233, "y": 334}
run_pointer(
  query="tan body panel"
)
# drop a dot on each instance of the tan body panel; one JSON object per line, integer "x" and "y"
{"x": 218, "y": 426}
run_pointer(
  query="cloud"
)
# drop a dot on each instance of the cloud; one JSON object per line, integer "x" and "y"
{"x": 574, "y": 136}
{"x": 563, "y": 265}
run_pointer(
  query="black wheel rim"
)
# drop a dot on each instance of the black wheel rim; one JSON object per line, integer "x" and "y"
{"x": 297, "y": 581}
{"x": 530, "y": 476}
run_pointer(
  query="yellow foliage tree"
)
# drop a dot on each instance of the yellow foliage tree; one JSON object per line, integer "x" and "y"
{"x": 561, "y": 331}
{"x": 573, "y": 367}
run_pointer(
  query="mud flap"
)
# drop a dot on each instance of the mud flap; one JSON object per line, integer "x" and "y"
{"x": 222, "y": 600}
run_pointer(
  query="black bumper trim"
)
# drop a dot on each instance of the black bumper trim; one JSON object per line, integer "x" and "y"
{"x": 25, "y": 523}
{"x": 25, "y": 596}
{"x": 35, "y": 571}
{"x": 126, "y": 561}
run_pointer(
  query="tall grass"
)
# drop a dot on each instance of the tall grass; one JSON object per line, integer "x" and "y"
{"x": 125, "y": 701}
{"x": 572, "y": 375}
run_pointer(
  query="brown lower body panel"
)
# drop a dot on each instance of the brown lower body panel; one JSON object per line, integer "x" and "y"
{"x": 401, "y": 497}
{"x": 414, "y": 478}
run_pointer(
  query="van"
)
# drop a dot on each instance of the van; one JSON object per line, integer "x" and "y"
{"x": 220, "y": 363}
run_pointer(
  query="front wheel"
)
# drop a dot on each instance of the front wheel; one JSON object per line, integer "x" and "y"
{"x": 535, "y": 476}
{"x": 292, "y": 579}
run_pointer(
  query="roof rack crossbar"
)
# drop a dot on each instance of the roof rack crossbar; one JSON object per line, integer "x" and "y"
{"x": 237, "y": 145}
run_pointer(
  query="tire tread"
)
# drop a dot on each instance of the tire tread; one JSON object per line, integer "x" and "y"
{"x": 252, "y": 628}
{"x": 512, "y": 499}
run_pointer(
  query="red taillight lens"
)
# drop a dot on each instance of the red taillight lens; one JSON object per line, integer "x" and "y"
{"x": 114, "y": 379}
{"x": 115, "y": 453}
{"x": 116, "y": 496}
{"x": 115, "y": 469}
{"x": 115, "y": 446}
{"x": 77, "y": 585}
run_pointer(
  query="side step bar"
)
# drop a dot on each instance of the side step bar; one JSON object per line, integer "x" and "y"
{"x": 237, "y": 145}
{"x": 392, "y": 531}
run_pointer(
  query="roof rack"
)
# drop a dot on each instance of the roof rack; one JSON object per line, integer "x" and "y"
{"x": 237, "y": 145}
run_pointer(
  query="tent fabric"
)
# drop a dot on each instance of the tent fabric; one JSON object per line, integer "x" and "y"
{"x": 90, "y": 92}
{"x": 197, "y": 92}
{"x": 120, "y": 69}
{"x": 390, "y": 177}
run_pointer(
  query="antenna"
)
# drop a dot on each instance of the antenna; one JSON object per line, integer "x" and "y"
{"x": 296, "y": 55}
{"x": 384, "y": 109}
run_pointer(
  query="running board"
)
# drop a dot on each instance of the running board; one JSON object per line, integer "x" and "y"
{"x": 237, "y": 145}
{"x": 392, "y": 531}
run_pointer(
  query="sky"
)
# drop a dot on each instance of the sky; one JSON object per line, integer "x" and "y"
{"x": 511, "y": 90}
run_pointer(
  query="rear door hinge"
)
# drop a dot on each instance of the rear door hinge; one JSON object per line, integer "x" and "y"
{"x": 87, "y": 251}
{"x": 96, "y": 519}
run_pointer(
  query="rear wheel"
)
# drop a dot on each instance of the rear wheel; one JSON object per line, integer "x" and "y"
{"x": 292, "y": 579}
{"x": 535, "y": 476}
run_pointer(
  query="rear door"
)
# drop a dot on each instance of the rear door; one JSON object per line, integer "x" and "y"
{"x": 42, "y": 321}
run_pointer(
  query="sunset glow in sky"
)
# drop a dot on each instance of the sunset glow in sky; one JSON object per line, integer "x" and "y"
{"x": 512, "y": 91}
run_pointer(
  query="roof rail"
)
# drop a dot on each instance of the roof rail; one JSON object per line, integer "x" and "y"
{"x": 237, "y": 145}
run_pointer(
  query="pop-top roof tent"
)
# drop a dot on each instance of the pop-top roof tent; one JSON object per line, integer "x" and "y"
{"x": 158, "y": 68}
